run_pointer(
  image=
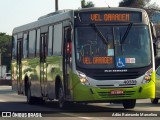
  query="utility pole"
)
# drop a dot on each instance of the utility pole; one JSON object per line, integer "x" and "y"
{"x": 56, "y": 5}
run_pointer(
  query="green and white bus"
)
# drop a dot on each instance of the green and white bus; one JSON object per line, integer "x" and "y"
{"x": 85, "y": 55}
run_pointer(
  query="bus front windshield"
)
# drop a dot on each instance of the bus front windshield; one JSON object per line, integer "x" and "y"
{"x": 123, "y": 47}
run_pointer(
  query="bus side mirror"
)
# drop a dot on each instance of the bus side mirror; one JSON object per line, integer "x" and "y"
{"x": 157, "y": 47}
{"x": 153, "y": 30}
{"x": 158, "y": 42}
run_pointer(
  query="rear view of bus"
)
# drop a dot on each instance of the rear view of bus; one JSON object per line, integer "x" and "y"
{"x": 113, "y": 56}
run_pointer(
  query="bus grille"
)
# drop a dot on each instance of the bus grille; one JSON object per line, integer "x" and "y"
{"x": 108, "y": 95}
{"x": 116, "y": 76}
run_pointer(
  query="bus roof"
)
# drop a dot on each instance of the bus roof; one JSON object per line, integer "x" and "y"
{"x": 110, "y": 9}
{"x": 44, "y": 20}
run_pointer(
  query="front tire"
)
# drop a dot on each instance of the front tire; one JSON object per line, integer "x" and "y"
{"x": 30, "y": 99}
{"x": 154, "y": 101}
{"x": 129, "y": 104}
{"x": 61, "y": 99}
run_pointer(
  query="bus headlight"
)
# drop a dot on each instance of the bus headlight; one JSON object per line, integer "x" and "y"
{"x": 147, "y": 76}
{"x": 83, "y": 78}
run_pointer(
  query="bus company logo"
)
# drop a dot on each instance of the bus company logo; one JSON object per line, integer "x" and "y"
{"x": 6, "y": 114}
{"x": 123, "y": 70}
{"x": 19, "y": 114}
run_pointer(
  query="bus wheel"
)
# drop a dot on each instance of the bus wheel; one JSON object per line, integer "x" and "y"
{"x": 30, "y": 99}
{"x": 61, "y": 98}
{"x": 154, "y": 101}
{"x": 129, "y": 104}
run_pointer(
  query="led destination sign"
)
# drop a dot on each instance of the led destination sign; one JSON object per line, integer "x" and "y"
{"x": 110, "y": 17}
{"x": 104, "y": 17}
{"x": 98, "y": 60}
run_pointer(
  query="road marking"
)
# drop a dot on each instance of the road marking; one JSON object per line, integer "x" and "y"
{"x": 87, "y": 118}
{"x": 73, "y": 115}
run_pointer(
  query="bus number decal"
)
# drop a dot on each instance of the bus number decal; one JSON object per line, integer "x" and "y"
{"x": 130, "y": 82}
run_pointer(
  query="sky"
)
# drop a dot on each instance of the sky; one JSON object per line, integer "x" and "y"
{"x": 14, "y": 13}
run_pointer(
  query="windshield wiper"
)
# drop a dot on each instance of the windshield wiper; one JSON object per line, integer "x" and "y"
{"x": 99, "y": 33}
{"x": 126, "y": 33}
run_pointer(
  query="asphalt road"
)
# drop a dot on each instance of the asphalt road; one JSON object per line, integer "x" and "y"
{"x": 15, "y": 104}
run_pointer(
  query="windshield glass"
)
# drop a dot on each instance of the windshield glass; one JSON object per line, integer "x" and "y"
{"x": 92, "y": 52}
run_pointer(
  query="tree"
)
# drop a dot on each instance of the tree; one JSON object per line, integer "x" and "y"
{"x": 5, "y": 46}
{"x": 151, "y": 8}
{"x": 134, "y": 3}
{"x": 145, "y": 4}
{"x": 86, "y": 5}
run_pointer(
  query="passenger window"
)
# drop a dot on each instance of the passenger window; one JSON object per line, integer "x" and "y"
{"x": 14, "y": 46}
{"x": 57, "y": 44}
{"x": 50, "y": 41}
{"x": 32, "y": 39}
{"x": 38, "y": 43}
{"x": 25, "y": 45}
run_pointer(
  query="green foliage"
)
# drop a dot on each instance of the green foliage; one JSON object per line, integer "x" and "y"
{"x": 86, "y": 5}
{"x": 5, "y": 46}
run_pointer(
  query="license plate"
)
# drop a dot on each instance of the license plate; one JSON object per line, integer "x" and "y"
{"x": 116, "y": 92}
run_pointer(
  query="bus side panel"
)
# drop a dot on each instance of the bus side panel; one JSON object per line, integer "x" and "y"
{"x": 14, "y": 75}
{"x": 54, "y": 69}
{"x": 153, "y": 78}
{"x": 31, "y": 68}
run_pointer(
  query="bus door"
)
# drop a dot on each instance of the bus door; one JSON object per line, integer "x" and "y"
{"x": 43, "y": 64}
{"x": 67, "y": 59}
{"x": 19, "y": 66}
